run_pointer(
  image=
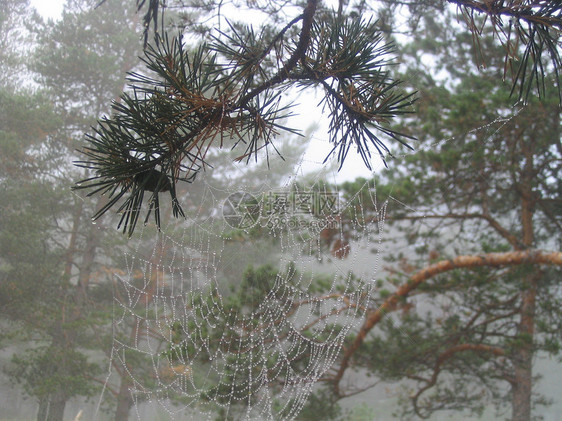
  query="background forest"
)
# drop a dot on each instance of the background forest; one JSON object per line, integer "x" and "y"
{"x": 238, "y": 274}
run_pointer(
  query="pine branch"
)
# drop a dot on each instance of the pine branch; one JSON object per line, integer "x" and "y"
{"x": 162, "y": 130}
{"x": 298, "y": 54}
{"x": 536, "y": 24}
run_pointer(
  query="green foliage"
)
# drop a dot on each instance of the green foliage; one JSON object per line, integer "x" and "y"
{"x": 29, "y": 265}
{"x": 350, "y": 60}
{"x": 362, "y": 412}
{"x": 25, "y": 120}
{"x": 29, "y": 261}
{"x": 82, "y": 59}
{"x": 39, "y": 370}
{"x": 320, "y": 406}
{"x": 255, "y": 308}
{"x": 226, "y": 91}
{"x": 50, "y": 251}
{"x": 481, "y": 164}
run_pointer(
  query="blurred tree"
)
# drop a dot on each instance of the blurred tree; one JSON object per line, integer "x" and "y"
{"x": 30, "y": 276}
{"x": 60, "y": 269}
{"x": 478, "y": 205}
{"x": 51, "y": 258}
{"x": 13, "y": 41}
{"x": 161, "y": 130}
{"x": 82, "y": 59}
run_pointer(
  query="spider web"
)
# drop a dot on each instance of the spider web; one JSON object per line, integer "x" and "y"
{"x": 199, "y": 334}
{"x": 240, "y": 310}
{"x": 190, "y": 345}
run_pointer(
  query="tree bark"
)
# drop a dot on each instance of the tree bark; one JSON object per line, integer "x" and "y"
{"x": 523, "y": 355}
{"x": 88, "y": 258}
{"x": 523, "y": 358}
{"x": 124, "y": 399}
{"x": 43, "y": 411}
{"x": 51, "y": 408}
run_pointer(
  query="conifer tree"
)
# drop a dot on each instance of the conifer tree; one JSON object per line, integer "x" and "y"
{"x": 50, "y": 249}
{"x": 478, "y": 287}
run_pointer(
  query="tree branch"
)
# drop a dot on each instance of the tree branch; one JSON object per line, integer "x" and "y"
{"x": 513, "y": 9}
{"x": 469, "y": 261}
{"x": 543, "y": 25}
{"x": 298, "y": 54}
{"x": 511, "y": 239}
{"x": 444, "y": 356}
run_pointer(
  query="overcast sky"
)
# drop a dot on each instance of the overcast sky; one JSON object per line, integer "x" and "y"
{"x": 48, "y": 8}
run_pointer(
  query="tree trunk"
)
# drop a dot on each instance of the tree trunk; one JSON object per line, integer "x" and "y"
{"x": 124, "y": 399}
{"x": 523, "y": 358}
{"x": 43, "y": 411}
{"x": 51, "y": 408}
{"x": 58, "y": 403}
{"x": 523, "y": 355}
{"x": 88, "y": 259}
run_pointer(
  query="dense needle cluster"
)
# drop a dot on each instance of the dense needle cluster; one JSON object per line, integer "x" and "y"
{"x": 231, "y": 93}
